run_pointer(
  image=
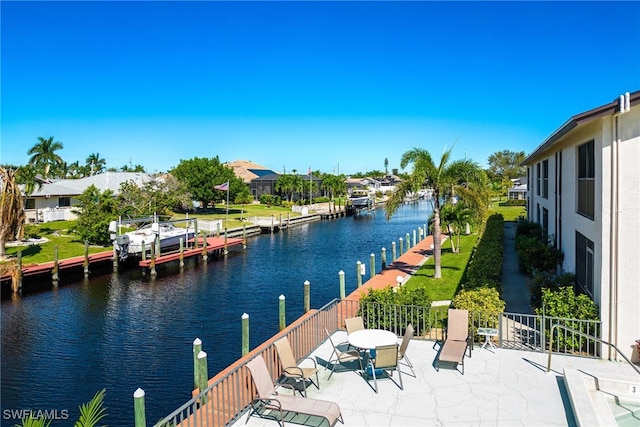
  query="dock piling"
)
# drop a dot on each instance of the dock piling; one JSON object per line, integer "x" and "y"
{"x": 372, "y": 266}
{"x": 342, "y": 288}
{"x": 393, "y": 251}
{"x": 384, "y": 258}
{"x": 307, "y": 296}
{"x": 408, "y": 243}
{"x": 245, "y": 334}
{"x": 152, "y": 267}
{"x": 203, "y": 375}
{"x": 400, "y": 246}
{"x": 115, "y": 260}
{"x": 54, "y": 272}
{"x": 197, "y": 348}
{"x": 138, "y": 408}
{"x": 181, "y": 262}
{"x": 226, "y": 251}
{"x": 281, "y": 313}
{"x": 85, "y": 264}
{"x": 359, "y": 273}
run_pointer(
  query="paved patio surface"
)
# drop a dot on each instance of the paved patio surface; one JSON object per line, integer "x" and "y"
{"x": 501, "y": 388}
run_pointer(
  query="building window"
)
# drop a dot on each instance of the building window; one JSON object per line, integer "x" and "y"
{"x": 64, "y": 201}
{"x": 30, "y": 204}
{"x": 538, "y": 179}
{"x": 584, "y": 263}
{"x": 586, "y": 180}
{"x": 545, "y": 179}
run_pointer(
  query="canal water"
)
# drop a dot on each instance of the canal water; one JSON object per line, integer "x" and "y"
{"x": 124, "y": 331}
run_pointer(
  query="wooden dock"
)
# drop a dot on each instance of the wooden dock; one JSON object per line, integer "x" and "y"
{"x": 214, "y": 244}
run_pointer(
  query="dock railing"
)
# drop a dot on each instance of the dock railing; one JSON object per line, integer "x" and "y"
{"x": 230, "y": 392}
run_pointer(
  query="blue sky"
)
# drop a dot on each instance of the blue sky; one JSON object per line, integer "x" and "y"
{"x": 335, "y": 86}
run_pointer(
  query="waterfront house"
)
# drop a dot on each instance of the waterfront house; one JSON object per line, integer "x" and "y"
{"x": 518, "y": 190}
{"x": 583, "y": 185}
{"x": 54, "y": 201}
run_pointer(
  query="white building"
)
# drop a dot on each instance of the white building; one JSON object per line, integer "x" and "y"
{"x": 55, "y": 200}
{"x": 584, "y": 189}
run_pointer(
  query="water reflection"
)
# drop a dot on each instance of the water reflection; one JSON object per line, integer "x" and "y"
{"x": 125, "y": 331}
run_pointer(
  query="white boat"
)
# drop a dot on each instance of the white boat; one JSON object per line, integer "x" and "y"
{"x": 360, "y": 198}
{"x": 132, "y": 242}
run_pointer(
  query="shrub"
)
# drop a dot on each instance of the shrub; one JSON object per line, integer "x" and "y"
{"x": 513, "y": 202}
{"x": 379, "y": 307}
{"x": 31, "y": 231}
{"x": 546, "y": 279}
{"x": 270, "y": 200}
{"x": 563, "y": 302}
{"x": 484, "y": 305}
{"x": 535, "y": 252}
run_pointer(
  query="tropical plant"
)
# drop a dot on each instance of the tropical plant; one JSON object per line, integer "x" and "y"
{"x": 444, "y": 178}
{"x": 28, "y": 176}
{"x": 12, "y": 214}
{"x": 456, "y": 216}
{"x": 96, "y": 211}
{"x": 93, "y": 411}
{"x": 484, "y": 305}
{"x": 44, "y": 156}
{"x": 95, "y": 164}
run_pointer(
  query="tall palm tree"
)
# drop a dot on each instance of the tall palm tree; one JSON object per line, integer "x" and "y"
{"x": 95, "y": 163}
{"x": 43, "y": 155}
{"x": 12, "y": 214}
{"x": 443, "y": 178}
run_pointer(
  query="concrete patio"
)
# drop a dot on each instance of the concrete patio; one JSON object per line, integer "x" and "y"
{"x": 505, "y": 388}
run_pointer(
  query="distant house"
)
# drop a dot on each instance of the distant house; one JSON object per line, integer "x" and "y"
{"x": 583, "y": 183}
{"x": 370, "y": 184}
{"x": 55, "y": 199}
{"x": 388, "y": 183}
{"x": 519, "y": 189}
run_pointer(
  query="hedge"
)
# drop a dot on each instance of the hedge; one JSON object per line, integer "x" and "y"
{"x": 485, "y": 267}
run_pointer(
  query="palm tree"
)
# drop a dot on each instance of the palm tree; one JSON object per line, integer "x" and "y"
{"x": 12, "y": 214}
{"x": 95, "y": 163}
{"x": 443, "y": 178}
{"x": 28, "y": 176}
{"x": 43, "y": 155}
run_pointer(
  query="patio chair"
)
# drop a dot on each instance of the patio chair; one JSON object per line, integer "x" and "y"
{"x": 354, "y": 324}
{"x": 342, "y": 357}
{"x": 268, "y": 401}
{"x": 383, "y": 364}
{"x": 402, "y": 353}
{"x": 457, "y": 341}
{"x": 291, "y": 370}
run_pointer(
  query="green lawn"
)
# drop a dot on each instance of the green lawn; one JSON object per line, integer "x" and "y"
{"x": 453, "y": 268}
{"x": 509, "y": 213}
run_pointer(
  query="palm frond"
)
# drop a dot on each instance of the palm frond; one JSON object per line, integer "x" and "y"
{"x": 93, "y": 411}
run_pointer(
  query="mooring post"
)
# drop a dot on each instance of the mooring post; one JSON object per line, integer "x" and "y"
{"x": 272, "y": 219}
{"x": 408, "y": 243}
{"x": 54, "y": 272}
{"x": 197, "y": 348}
{"x": 152, "y": 267}
{"x": 281, "y": 313}
{"x": 181, "y": 252}
{"x": 307, "y": 296}
{"x": 195, "y": 235}
{"x": 288, "y": 219}
{"x": 426, "y": 230}
{"x": 218, "y": 226}
{"x": 358, "y": 273}
{"x": 203, "y": 375}
{"x": 204, "y": 246}
{"x": 144, "y": 251}
{"x": 372, "y": 266}
{"x": 138, "y": 408}
{"x": 115, "y": 260}
{"x": 393, "y": 251}
{"x": 86, "y": 259}
{"x": 400, "y": 246}
{"x": 245, "y": 334}
{"x": 244, "y": 236}
{"x": 280, "y": 223}
{"x": 341, "y": 278}
{"x": 384, "y": 258}
{"x": 226, "y": 250}
{"x": 415, "y": 241}
{"x": 16, "y": 279}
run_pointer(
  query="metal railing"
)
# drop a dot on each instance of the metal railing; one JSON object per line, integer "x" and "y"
{"x": 231, "y": 391}
{"x": 601, "y": 341}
